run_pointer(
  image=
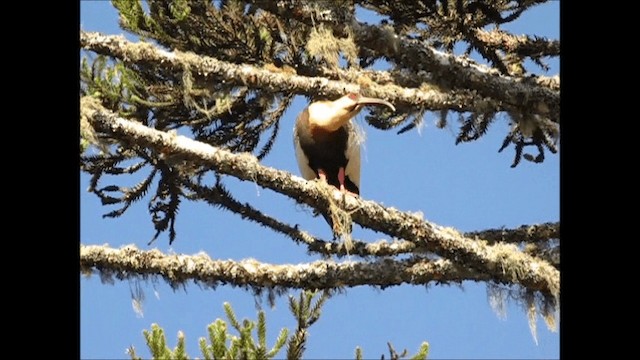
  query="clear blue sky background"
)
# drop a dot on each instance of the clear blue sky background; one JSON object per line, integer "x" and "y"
{"x": 469, "y": 187}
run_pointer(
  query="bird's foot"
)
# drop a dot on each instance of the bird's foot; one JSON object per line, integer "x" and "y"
{"x": 347, "y": 192}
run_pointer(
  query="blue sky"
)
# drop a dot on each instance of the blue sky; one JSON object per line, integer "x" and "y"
{"x": 468, "y": 186}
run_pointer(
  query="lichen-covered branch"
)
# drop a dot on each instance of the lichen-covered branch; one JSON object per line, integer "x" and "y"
{"x": 503, "y": 262}
{"x": 406, "y": 78}
{"x": 450, "y": 71}
{"x": 539, "y": 240}
{"x": 520, "y": 94}
{"x": 478, "y": 13}
{"x": 525, "y": 233}
{"x": 522, "y": 45}
{"x": 129, "y": 261}
{"x": 314, "y": 244}
{"x": 248, "y": 75}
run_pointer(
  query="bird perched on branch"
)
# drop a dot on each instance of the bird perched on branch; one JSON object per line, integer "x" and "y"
{"x": 327, "y": 144}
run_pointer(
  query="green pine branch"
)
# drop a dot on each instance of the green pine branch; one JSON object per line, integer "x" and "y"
{"x": 221, "y": 344}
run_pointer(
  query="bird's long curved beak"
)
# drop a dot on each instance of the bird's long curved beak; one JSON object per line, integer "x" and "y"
{"x": 375, "y": 101}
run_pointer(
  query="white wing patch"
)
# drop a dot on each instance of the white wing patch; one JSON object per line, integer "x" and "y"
{"x": 303, "y": 162}
{"x": 352, "y": 153}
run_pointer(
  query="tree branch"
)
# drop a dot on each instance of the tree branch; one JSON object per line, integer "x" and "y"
{"x": 504, "y": 262}
{"x": 522, "y": 45}
{"x": 129, "y": 261}
{"x": 450, "y": 72}
{"x": 419, "y": 11}
{"x": 314, "y": 244}
{"x": 525, "y": 233}
{"x": 406, "y": 78}
{"x": 248, "y": 75}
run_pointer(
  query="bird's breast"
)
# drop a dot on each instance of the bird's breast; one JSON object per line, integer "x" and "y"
{"x": 322, "y": 147}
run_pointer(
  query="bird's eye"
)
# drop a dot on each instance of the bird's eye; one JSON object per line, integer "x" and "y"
{"x": 353, "y": 96}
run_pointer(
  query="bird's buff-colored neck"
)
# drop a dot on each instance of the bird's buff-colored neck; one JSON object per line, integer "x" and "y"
{"x": 332, "y": 115}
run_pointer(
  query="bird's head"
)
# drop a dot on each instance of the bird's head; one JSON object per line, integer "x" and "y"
{"x": 334, "y": 114}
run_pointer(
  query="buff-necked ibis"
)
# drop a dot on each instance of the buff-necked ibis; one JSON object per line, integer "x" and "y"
{"x": 326, "y": 142}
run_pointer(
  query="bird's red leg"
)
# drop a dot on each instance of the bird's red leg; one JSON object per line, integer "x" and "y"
{"x": 341, "y": 180}
{"x": 322, "y": 175}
